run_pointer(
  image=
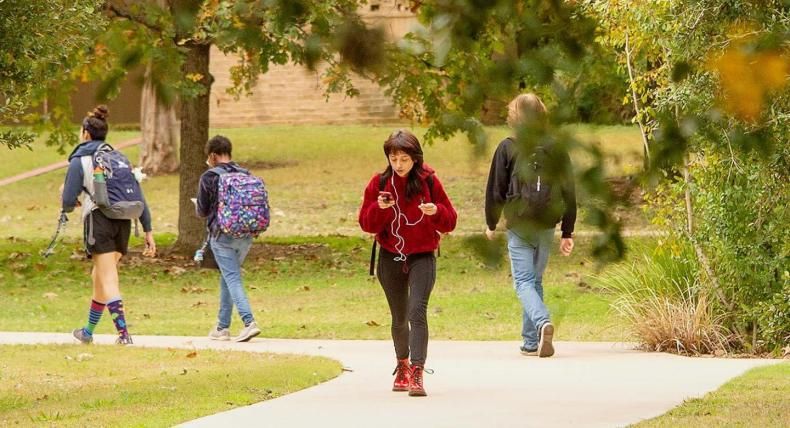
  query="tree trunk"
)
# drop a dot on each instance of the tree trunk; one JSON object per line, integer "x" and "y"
{"x": 635, "y": 98}
{"x": 194, "y": 134}
{"x": 160, "y": 135}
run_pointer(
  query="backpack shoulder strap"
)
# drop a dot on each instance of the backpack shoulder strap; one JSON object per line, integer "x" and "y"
{"x": 372, "y": 270}
{"x": 219, "y": 171}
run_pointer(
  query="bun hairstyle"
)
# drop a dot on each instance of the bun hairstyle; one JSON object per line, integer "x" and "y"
{"x": 96, "y": 123}
{"x": 404, "y": 141}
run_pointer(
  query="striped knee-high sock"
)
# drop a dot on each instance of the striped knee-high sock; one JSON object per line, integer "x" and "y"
{"x": 94, "y": 316}
{"x": 115, "y": 307}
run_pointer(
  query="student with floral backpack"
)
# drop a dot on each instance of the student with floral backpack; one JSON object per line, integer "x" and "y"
{"x": 235, "y": 205}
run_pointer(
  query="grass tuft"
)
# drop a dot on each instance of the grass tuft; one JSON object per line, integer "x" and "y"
{"x": 666, "y": 306}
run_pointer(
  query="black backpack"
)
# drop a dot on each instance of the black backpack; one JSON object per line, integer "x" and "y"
{"x": 534, "y": 194}
{"x": 382, "y": 185}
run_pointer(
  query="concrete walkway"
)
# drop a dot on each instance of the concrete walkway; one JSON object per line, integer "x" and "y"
{"x": 476, "y": 384}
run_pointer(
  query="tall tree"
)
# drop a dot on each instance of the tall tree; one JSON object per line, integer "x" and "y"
{"x": 467, "y": 52}
{"x": 42, "y": 45}
{"x": 158, "y": 154}
{"x": 177, "y": 39}
{"x": 158, "y": 126}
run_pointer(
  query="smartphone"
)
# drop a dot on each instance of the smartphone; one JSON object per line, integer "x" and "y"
{"x": 387, "y": 196}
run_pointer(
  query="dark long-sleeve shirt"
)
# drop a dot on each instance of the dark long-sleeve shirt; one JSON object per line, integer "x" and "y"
{"x": 500, "y": 191}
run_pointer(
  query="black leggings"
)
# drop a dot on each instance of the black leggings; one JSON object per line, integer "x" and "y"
{"x": 408, "y": 287}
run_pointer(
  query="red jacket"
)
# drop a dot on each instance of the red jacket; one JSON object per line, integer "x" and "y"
{"x": 421, "y": 237}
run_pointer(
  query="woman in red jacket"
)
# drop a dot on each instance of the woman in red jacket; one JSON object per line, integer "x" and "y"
{"x": 407, "y": 208}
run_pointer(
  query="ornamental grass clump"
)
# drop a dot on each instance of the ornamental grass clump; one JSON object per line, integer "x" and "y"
{"x": 666, "y": 305}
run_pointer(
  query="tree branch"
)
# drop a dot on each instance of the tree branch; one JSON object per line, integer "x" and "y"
{"x": 636, "y": 101}
{"x": 119, "y": 12}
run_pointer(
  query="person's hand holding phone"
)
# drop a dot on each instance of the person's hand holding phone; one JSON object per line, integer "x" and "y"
{"x": 428, "y": 209}
{"x": 385, "y": 200}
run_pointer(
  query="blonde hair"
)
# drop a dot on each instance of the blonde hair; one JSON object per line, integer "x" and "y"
{"x": 525, "y": 108}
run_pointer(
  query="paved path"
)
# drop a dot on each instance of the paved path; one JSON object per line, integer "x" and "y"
{"x": 58, "y": 165}
{"x": 476, "y": 384}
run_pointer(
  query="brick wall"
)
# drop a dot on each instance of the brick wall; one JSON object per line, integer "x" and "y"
{"x": 292, "y": 94}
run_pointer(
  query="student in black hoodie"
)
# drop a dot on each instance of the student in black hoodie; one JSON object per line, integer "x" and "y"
{"x": 531, "y": 181}
{"x": 110, "y": 237}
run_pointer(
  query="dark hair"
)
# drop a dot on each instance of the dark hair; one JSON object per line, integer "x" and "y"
{"x": 220, "y": 145}
{"x": 96, "y": 123}
{"x": 404, "y": 141}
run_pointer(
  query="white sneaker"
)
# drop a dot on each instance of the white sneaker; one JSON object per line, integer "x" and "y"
{"x": 219, "y": 334}
{"x": 248, "y": 332}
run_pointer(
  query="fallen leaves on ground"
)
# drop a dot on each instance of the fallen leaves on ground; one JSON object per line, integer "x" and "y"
{"x": 84, "y": 357}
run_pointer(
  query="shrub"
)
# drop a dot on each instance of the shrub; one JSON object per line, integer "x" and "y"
{"x": 665, "y": 303}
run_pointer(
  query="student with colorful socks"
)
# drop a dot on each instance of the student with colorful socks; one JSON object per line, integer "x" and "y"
{"x": 106, "y": 239}
{"x": 407, "y": 208}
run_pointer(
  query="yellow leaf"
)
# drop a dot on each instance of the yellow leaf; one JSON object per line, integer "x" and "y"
{"x": 773, "y": 69}
{"x": 746, "y": 78}
{"x": 195, "y": 77}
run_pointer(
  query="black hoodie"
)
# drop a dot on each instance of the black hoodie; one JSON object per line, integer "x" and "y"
{"x": 497, "y": 197}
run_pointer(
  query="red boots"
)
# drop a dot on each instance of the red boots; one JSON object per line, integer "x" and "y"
{"x": 415, "y": 385}
{"x": 402, "y": 376}
{"x": 409, "y": 378}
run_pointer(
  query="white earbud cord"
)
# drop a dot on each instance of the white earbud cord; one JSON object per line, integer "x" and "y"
{"x": 396, "y": 225}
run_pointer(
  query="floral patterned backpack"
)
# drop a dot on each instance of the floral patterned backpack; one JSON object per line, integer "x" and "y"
{"x": 242, "y": 203}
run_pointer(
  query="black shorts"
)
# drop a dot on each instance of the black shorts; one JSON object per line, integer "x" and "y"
{"x": 109, "y": 235}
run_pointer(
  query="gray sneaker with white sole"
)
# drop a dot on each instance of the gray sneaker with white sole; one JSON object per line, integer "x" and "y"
{"x": 219, "y": 334}
{"x": 248, "y": 332}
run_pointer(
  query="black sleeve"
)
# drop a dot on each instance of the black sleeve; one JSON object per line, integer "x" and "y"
{"x": 498, "y": 182}
{"x": 207, "y": 193}
{"x": 569, "y": 197}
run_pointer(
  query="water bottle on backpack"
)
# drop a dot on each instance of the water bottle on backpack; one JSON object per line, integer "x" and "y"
{"x": 116, "y": 192}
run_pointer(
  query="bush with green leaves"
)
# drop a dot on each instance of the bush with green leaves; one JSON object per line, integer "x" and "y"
{"x": 709, "y": 82}
{"x": 741, "y": 212}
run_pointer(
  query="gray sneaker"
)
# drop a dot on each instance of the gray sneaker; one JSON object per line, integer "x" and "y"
{"x": 81, "y": 335}
{"x": 219, "y": 334}
{"x": 545, "y": 348}
{"x": 248, "y": 332}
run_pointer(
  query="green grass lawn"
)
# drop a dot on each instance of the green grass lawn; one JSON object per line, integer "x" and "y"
{"x": 72, "y": 385}
{"x": 759, "y": 398}
{"x": 315, "y": 176}
{"x": 311, "y": 287}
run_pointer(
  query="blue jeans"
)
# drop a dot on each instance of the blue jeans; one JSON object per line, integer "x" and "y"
{"x": 230, "y": 253}
{"x": 528, "y": 258}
